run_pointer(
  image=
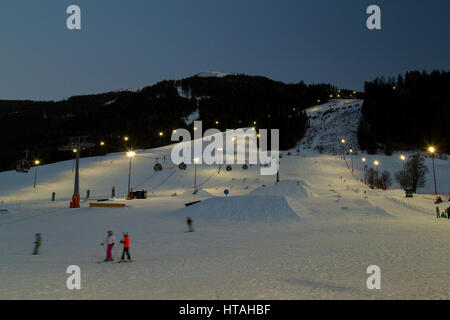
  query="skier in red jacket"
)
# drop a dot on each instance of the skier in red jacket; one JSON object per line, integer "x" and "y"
{"x": 126, "y": 247}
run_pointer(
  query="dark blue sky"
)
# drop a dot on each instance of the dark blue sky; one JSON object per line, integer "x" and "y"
{"x": 130, "y": 44}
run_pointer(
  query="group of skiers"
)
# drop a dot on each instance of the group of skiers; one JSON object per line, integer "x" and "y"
{"x": 110, "y": 242}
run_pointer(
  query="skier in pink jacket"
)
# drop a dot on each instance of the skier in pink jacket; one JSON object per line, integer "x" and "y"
{"x": 110, "y": 241}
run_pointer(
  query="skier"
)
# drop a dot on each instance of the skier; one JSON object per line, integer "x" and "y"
{"x": 37, "y": 243}
{"x": 189, "y": 223}
{"x": 126, "y": 247}
{"x": 110, "y": 241}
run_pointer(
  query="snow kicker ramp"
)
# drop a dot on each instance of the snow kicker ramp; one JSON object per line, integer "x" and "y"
{"x": 242, "y": 208}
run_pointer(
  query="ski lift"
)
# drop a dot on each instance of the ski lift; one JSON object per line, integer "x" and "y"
{"x": 23, "y": 165}
{"x": 157, "y": 167}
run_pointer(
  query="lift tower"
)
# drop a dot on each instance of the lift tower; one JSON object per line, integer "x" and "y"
{"x": 76, "y": 145}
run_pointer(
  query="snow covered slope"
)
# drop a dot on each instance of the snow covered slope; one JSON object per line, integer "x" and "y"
{"x": 331, "y": 122}
{"x": 311, "y": 236}
{"x": 242, "y": 208}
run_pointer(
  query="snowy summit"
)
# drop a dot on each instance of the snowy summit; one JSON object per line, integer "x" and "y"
{"x": 213, "y": 74}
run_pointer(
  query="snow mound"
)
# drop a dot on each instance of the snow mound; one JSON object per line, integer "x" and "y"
{"x": 288, "y": 188}
{"x": 199, "y": 193}
{"x": 242, "y": 208}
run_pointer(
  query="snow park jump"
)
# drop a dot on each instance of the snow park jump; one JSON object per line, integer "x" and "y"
{"x": 305, "y": 168}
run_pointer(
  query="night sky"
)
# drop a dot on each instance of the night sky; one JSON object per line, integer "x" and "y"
{"x": 131, "y": 44}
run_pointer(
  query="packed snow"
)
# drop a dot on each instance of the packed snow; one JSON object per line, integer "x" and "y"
{"x": 242, "y": 208}
{"x": 310, "y": 236}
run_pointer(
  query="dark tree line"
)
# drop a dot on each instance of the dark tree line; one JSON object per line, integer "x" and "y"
{"x": 233, "y": 101}
{"x": 409, "y": 112}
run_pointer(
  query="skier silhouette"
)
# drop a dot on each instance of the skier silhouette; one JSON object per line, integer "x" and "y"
{"x": 37, "y": 243}
{"x": 189, "y": 223}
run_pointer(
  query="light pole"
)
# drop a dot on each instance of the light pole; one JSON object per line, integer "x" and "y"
{"x": 195, "y": 172}
{"x": 73, "y": 162}
{"x": 403, "y": 158}
{"x": 219, "y": 165}
{"x": 343, "y": 148}
{"x": 130, "y": 155}
{"x": 36, "y": 163}
{"x": 365, "y": 168}
{"x": 351, "y": 157}
{"x": 278, "y": 172}
{"x": 432, "y": 151}
{"x": 376, "y": 163}
{"x": 76, "y": 188}
{"x": 102, "y": 144}
{"x": 160, "y": 137}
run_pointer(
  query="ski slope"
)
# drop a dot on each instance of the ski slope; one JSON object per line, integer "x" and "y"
{"x": 331, "y": 122}
{"x": 311, "y": 236}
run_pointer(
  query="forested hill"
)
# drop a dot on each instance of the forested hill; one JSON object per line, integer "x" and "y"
{"x": 234, "y": 101}
{"x": 410, "y": 112}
